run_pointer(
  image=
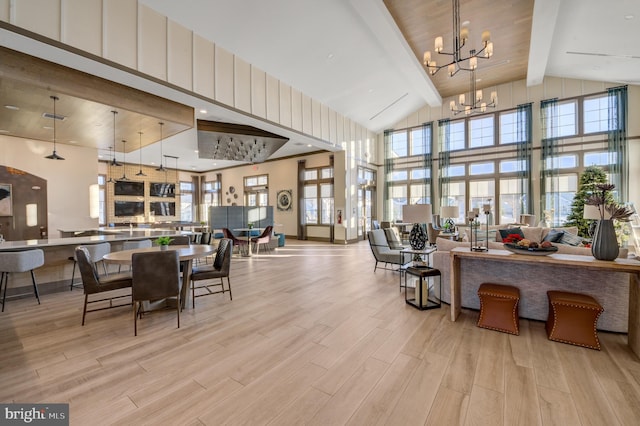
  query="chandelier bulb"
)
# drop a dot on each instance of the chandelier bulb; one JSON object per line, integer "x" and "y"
{"x": 486, "y": 37}
{"x": 473, "y": 62}
{"x": 438, "y": 44}
{"x": 461, "y": 99}
{"x": 489, "y": 50}
{"x": 426, "y": 58}
{"x": 452, "y": 70}
{"x": 464, "y": 34}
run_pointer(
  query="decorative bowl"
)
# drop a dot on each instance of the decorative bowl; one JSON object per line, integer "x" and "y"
{"x": 538, "y": 251}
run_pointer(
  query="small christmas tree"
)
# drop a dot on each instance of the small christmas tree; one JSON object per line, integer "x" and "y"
{"x": 591, "y": 176}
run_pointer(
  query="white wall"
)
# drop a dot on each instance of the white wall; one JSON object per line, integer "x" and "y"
{"x": 68, "y": 181}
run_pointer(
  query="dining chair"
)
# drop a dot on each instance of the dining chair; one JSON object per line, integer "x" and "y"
{"x": 96, "y": 284}
{"x": 155, "y": 276}
{"x": 96, "y": 251}
{"x": 263, "y": 239}
{"x": 242, "y": 244}
{"x": 180, "y": 240}
{"x": 219, "y": 270}
{"x": 19, "y": 261}
{"x": 132, "y": 245}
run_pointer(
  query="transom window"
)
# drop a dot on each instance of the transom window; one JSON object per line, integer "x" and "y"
{"x": 596, "y": 114}
{"x": 481, "y": 131}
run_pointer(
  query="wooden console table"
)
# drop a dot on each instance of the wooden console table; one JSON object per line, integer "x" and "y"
{"x": 630, "y": 266}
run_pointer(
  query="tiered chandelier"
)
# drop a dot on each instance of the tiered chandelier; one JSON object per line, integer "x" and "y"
{"x": 465, "y": 63}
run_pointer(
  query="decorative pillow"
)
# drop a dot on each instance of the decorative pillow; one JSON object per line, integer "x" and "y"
{"x": 504, "y": 233}
{"x": 554, "y": 236}
{"x": 570, "y": 239}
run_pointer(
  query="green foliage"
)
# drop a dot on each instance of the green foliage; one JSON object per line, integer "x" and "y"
{"x": 163, "y": 241}
{"x": 591, "y": 176}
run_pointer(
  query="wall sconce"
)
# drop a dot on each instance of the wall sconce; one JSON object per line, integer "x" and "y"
{"x": 94, "y": 201}
{"x": 32, "y": 214}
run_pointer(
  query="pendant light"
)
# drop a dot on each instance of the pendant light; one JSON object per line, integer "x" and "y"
{"x": 54, "y": 155}
{"x": 114, "y": 162}
{"x": 161, "y": 168}
{"x": 124, "y": 161}
{"x": 140, "y": 173}
{"x": 112, "y": 155}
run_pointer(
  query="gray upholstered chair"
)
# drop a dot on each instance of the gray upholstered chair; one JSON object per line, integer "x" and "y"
{"x": 382, "y": 252}
{"x": 96, "y": 284}
{"x": 393, "y": 238}
{"x": 263, "y": 239}
{"x": 96, "y": 251}
{"x": 432, "y": 234}
{"x": 135, "y": 244}
{"x": 19, "y": 261}
{"x": 219, "y": 270}
{"x": 156, "y": 275}
{"x": 180, "y": 240}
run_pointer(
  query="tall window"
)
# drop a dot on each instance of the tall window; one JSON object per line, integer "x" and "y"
{"x": 186, "y": 201}
{"x": 470, "y": 180}
{"x": 407, "y": 169}
{"x": 565, "y": 152}
{"x": 256, "y": 191}
{"x": 210, "y": 197}
{"x": 318, "y": 196}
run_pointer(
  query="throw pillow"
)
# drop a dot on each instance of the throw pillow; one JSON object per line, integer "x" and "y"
{"x": 554, "y": 236}
{"x": 570, "y": 239}
{"x": 504, "y": 233}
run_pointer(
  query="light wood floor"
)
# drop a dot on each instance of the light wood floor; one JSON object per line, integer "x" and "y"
{"x": 312, "y": 336}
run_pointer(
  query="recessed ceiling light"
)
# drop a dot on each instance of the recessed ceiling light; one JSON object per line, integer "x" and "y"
{"x": 12, "y": 107}
{"x": 215, "y": 164}
{"x": 196, "y": 151}
{"x": 47, "y": 127}
{"x": 629, "y": 17}
{"x": 4, "y": 131}
{"x": 309, "y": 145}
{"x": 330, "y": 56}
{"x": 99, "y": 155}
{"x": 203, "y": 111}
{"x": 73, "y": 141}
{"x": 465, "y": 23}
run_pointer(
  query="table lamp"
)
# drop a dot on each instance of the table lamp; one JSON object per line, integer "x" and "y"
{"x": 449, "y": 213}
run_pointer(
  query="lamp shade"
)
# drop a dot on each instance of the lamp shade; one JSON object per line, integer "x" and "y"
{"x": 450, "y": 212}
{"x": 416, "y": 213}
{"x": 593, "y": 212}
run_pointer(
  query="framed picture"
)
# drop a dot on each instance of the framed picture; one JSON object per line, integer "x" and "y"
{"x": 285, "y": 200}
{"x": 6, "y": 200}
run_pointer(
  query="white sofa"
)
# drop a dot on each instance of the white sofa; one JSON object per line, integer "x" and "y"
{"x": 611, "y": 290}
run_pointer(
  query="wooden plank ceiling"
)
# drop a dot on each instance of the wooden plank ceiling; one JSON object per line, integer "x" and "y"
{"x": 509, "y": 22}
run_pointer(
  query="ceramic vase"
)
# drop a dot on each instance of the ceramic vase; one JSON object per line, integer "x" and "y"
{"x": 164, "y": 247}
{"x": 418, "y": 237}
{"x": 605, "y": 244}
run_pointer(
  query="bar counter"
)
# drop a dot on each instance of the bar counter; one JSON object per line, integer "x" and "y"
{"x": 55, "y": 274}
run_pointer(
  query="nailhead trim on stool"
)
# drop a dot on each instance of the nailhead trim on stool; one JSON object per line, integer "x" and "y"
{"x": 573, "y": 319}
{"x": 499, "y": 308}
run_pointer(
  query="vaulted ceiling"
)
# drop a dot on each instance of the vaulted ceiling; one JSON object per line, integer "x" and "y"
{"x": 362, "y": 58}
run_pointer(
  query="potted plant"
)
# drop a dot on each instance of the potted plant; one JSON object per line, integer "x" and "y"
{"x": 250, "y": 225}
{"x": 163, "y": 242}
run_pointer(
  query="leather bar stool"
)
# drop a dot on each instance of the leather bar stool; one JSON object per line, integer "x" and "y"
{"x": 19, "y": 261}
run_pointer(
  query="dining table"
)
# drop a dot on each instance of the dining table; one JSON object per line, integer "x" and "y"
{"x": 186, "y": 255}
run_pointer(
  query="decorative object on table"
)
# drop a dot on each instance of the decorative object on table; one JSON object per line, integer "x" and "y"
{"x": 418, "y": 237}
{"x": 250, "y": 225}
{"x": 285, "y": 199}
{"x": 534, "y": 249}
{"x": 486, "y": 208}
{"x": 474, "y": 224}
{"x": 605, "y": 243}
{"x": 163, "y": 242}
